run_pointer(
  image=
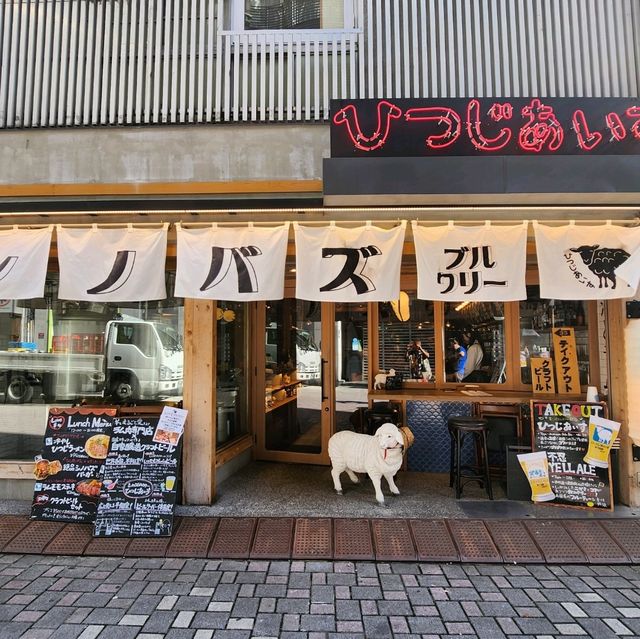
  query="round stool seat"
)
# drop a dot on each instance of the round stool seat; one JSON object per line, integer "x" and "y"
{"x": 461, "y": 427}
{"x": 467, "y": 423}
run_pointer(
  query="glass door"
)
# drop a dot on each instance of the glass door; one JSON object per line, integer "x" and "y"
{"x": 351, "y": 369}
{"x": 296, "y": 405}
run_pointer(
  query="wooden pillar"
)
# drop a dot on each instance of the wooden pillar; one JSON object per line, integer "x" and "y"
{"x": 199, "y": 452}
{"x": 620, "y": 400}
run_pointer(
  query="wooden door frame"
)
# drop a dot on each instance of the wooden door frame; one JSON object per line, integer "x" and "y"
{"x": 327, "y": 389}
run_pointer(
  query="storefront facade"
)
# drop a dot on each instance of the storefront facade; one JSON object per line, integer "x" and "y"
{"x": 236, "y": 357}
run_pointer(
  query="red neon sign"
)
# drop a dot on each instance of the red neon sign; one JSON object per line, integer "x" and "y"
{"x": 458, "y": 126}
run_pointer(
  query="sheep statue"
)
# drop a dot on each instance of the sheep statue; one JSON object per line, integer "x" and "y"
{"x": 380, "y": 380}
{"x": 378, "y": 455}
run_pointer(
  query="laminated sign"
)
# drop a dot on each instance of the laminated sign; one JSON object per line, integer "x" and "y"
{"x": 566, "y": 459}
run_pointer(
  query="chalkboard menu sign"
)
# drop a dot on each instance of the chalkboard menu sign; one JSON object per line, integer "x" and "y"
{"x": 139, "y": 487}
{"x": 68, "y": 473}
{"x": 562, "y": 431}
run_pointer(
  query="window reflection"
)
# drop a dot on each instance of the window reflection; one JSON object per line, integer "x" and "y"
{"x": 231, "y": 381}
{"x": 538, "y": 318}
{"x": 474, "y": 342}
{"x": 66, "y": 352}
{"x": 407, "y": 338}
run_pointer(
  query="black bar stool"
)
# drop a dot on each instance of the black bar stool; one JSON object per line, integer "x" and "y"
{"x": 459, "y": 428}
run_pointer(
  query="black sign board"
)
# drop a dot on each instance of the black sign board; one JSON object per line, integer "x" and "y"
{"x": 68, "y": 473}
{"x": 139, "y": 488}
{"x": 485, "y": 127}
{"x": 562, "y": 430}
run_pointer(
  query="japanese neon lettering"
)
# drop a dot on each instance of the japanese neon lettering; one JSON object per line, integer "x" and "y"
{"x": 634, "y": 112}
{"x": 474, "y": 127}
{"x": 587, "y": 139}
{"x": 542, "y": 128}
{"x": 441, "y": 115}
{"x": 349, "y": 117}
{"x": 617, "y": 128}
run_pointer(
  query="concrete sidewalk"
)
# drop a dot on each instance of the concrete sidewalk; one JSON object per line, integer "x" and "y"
{"x": 115, "y": 598}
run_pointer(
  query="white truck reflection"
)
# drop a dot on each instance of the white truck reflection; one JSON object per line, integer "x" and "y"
{"x": 140, "y": 360}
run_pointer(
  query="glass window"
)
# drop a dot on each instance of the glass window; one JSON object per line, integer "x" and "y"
{"x": 407, "y": 338}
{"x": 61, "y": 352}
{"x": 475, "y": 342}
{"x": 231, "y": 382}
{"x": 538, "y": 318}
{"x": 291, "y": 14}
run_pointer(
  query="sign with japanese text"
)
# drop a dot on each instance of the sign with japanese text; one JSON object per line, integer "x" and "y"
{"x": 562, "y": 431}
{"x": 471, "y": 263}
{"x": 140, "y": 481}
{"x": 337, "y": 264}
{"x": 542, "y": 376}
{"x": 485, "y": 126}
{"x": 231, "y": 263}
{"x": 69, "y": 471}
{"x": 580, "y": 262}
{"x": 112, "y": 264}
{"x": 566, "y": 361}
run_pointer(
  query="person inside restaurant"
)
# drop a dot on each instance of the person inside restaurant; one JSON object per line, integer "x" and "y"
{"x": 475, "y": 355}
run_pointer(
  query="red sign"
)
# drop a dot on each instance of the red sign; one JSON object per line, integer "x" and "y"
{"x": 487, "y": 126}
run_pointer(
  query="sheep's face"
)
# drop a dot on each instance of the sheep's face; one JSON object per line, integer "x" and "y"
{"x": 389, "y": 436}
{"x": 585, "y": 252}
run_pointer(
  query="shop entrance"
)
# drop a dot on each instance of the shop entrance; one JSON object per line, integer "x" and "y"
{"x": 316, "y": 373}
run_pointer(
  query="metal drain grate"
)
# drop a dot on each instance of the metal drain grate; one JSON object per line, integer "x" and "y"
{"x": 10, "y": 526}
{"x": 233, "y": 538}
{"x": 514, "y": 542}
{"x": 626, "y": 533}
{"x": 352, "y": 539}
{"x": 555, "y": 542}
{"x": 433, "y": 541}
{"x": 72, "y": 540}
{"x": 273, "y": 538}
{"x": 312, "y": 539}
{"x": 597, "y": 545}
{"x": 150, "y": 546}
{"x": 33, "y": 539}
{"x": 473, "y": 541}
{"x": 392, "y": 540}
{"x": 107, "y": 546}
{"x": 193, "y": 537}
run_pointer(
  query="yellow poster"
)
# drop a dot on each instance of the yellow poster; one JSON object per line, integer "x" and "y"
{"x": 566, "y": 361}
{"x": 542, "y": 376}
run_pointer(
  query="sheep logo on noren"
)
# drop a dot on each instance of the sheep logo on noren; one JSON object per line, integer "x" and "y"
{"x": 602, "y": 262}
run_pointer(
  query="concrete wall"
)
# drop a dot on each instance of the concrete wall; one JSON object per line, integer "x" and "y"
{"x": 204, "y": 153}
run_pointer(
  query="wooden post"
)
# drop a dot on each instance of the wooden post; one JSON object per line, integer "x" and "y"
{"x": 620, "y": 399}
{"x": 199, "y": 456}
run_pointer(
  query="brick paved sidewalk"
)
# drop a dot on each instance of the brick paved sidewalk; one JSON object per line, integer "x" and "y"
{"x": 568, "y": 541}
{"x": 89, "y": 597}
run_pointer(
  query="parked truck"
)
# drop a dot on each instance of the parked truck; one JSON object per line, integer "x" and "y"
{"x": 139, "y": 360}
